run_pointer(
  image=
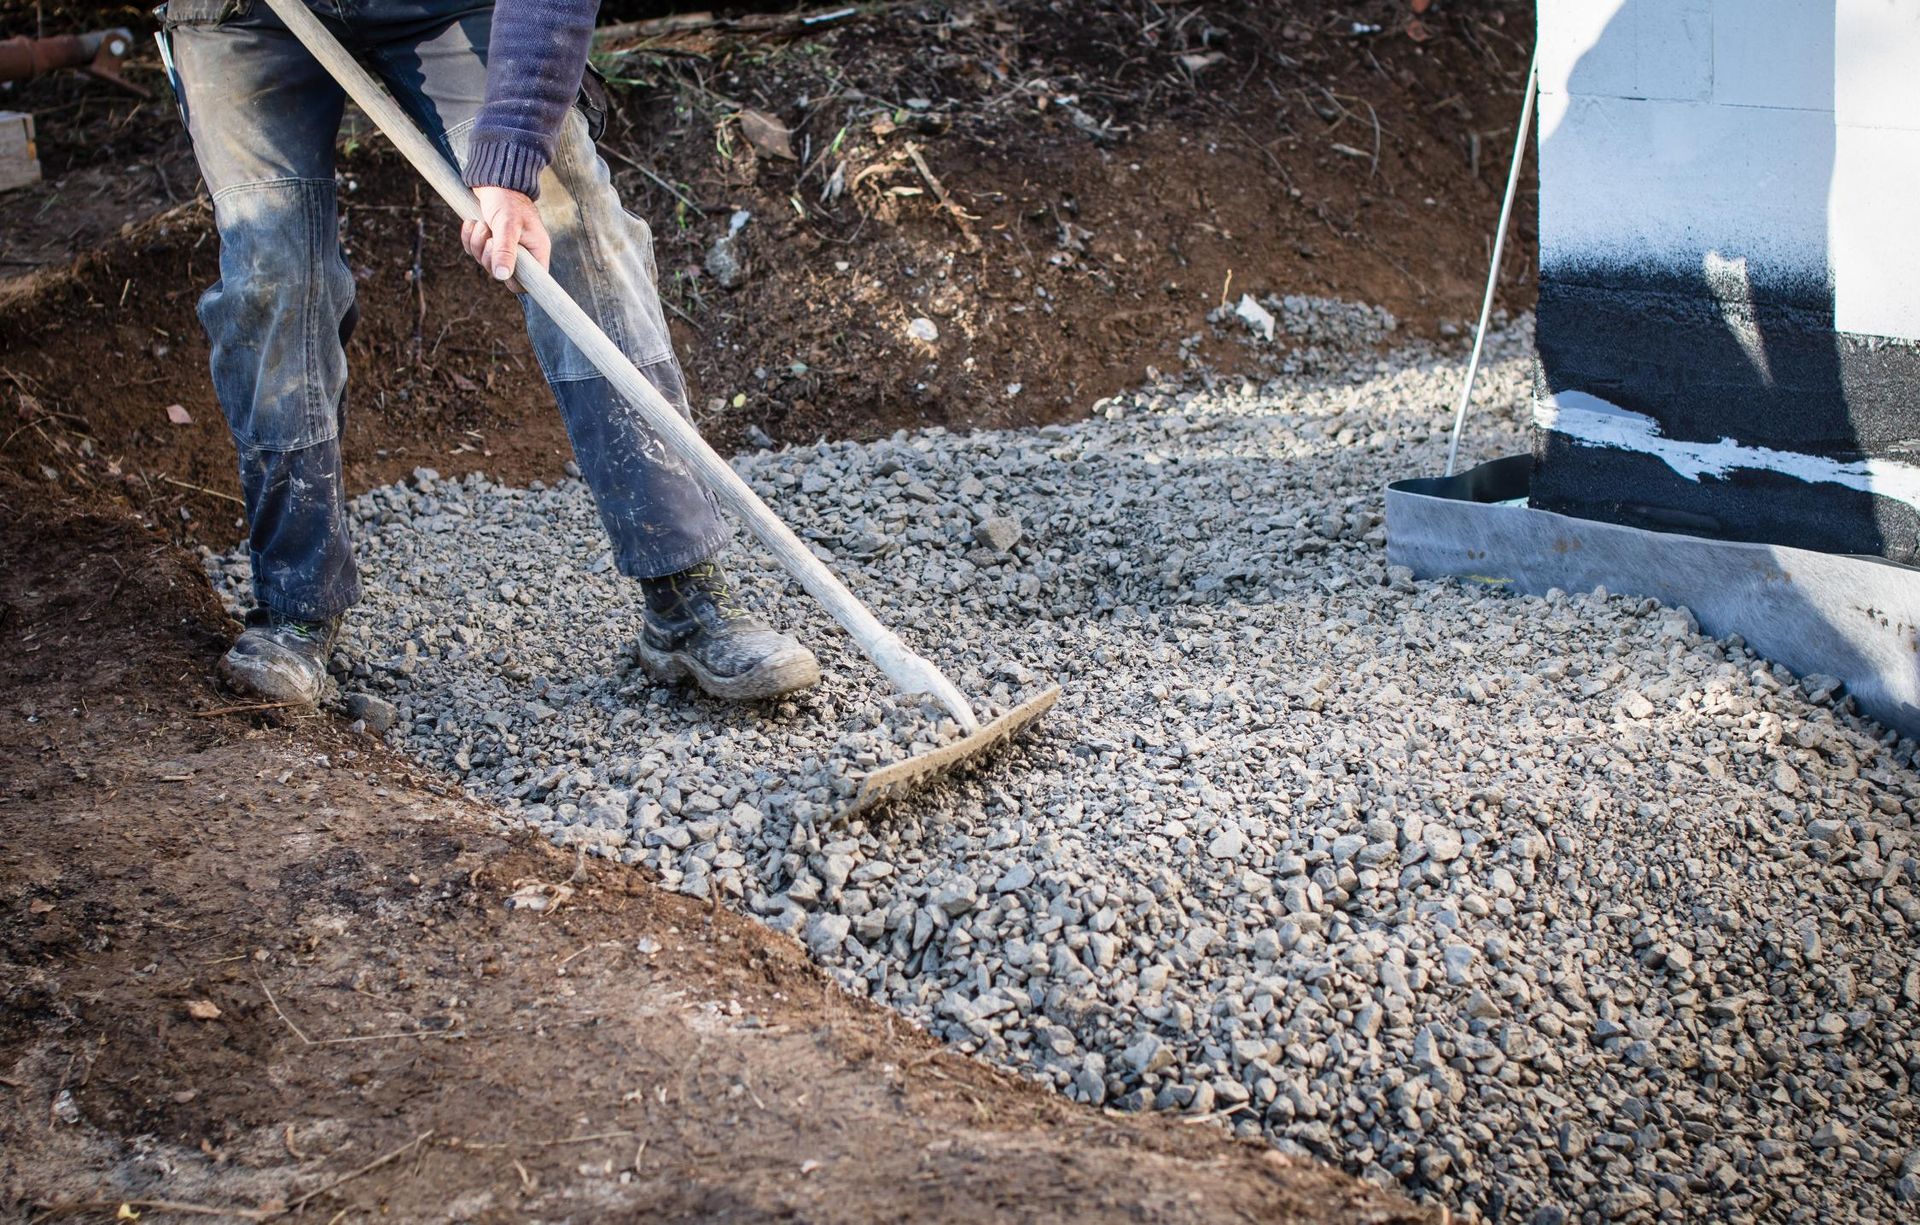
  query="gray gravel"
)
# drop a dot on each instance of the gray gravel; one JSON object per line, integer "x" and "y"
{"x": 1549, "y": 909}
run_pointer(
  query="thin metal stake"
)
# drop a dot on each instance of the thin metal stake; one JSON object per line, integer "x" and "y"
{"x": 1499, "y": 245}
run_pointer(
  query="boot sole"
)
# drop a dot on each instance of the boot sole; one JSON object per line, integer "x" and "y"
{"x": 784, "y": 673}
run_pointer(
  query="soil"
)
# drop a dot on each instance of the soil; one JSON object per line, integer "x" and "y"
{"x": 167, "y": 858}
{"x": 1070, "y": 266}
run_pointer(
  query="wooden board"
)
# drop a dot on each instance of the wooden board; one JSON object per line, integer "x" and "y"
{"x": 19, "y": 159}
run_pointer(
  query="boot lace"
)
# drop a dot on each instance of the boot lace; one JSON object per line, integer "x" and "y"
{"x": 709, "y": 578}
{"x": 278, "y": 623}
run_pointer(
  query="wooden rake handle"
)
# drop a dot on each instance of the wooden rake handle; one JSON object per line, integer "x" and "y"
{"x": 909, "y": 672}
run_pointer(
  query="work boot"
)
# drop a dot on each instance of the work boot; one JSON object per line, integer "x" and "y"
{"x": 280, "y": 659}
{"x": 694, "y": 627}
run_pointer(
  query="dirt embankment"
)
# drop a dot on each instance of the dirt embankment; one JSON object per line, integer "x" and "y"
{"x": 1064, "y": 190}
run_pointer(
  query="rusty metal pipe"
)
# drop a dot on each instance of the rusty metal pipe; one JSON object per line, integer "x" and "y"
{"x": 98, "y": 54}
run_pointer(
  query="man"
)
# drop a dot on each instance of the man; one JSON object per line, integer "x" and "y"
{"x": 496, "y": 86}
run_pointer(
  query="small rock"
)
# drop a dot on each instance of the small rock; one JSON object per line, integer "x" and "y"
{"x": 1259, "y": 319}
{"x": 998, "y": 532}
{"x": 726, "y": 262}
{"x": 1229, "y": 843}
{"x": 379, "y": 714}
{"x": 1820, "y": 687}
{"x": 1018, "y": 877}
{"x": 827, "y": 932}
{"x": 1786, "y": 779}
{"x": 1459, "y": 963}
{"x": 957, "y": 896}
{"x": 1091, "y": 1081}
{"x": 1347, "y": 846}
{"x": 1444, "y": 844}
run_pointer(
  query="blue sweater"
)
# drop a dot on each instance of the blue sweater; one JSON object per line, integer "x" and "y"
{"x": 536, "y": 56}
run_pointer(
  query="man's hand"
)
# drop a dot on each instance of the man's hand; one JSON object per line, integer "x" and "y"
{"x": 507, "y": 220}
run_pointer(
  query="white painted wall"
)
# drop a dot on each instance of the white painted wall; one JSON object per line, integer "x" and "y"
{"x": 1778, "y": 135}
{"x": 1876, "y": 180}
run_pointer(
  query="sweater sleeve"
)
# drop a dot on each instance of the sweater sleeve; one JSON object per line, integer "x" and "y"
{"x": 536, "y": 55}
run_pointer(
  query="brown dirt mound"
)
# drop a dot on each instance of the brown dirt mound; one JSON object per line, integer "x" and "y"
{"x": 1112, "y": 170}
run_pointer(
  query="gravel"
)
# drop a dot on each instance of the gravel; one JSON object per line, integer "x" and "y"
{"x": 1550, "y": 909}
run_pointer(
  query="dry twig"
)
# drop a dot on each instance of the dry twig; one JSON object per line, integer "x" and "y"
{"x": 484, "y": 1146}
{"x": 302, "y": 1201}
{"x": 201, "y": 489}
{"x": 246, "y": 709}
{"x": 276, "y": 1006}
{"x": 959, "y": 216}
{"x": 74, "y": 1207}
{"x": 750, "y": 23}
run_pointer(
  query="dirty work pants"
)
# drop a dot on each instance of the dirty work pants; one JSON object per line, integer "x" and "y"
{"x": 264, "y": 117}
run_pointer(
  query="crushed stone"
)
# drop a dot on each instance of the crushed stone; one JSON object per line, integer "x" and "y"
{"x": 1550, "y": 909}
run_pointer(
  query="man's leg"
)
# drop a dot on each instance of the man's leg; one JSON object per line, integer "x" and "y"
{"x": 663, "y": 525}
{"x": 657, "y": 516}
{"x": 263, "y": 117}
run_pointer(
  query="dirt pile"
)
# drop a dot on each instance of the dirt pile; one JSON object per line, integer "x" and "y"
{"x": 1063, "y": 191}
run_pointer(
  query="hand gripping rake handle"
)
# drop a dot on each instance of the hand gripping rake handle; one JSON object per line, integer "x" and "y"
{"x": 908, "y": 671}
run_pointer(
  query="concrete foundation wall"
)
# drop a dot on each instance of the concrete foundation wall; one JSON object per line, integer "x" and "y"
{"x": 1729, "y": 259}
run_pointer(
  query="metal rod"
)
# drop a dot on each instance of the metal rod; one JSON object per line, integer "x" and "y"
{"x": 1499, "y": 246}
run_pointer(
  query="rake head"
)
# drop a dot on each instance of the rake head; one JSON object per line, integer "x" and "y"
{"x": 889, "y": 783}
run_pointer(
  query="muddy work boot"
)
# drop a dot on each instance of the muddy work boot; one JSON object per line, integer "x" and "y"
{"x": 694, "y": 628}
{"x": 280, "y": 659}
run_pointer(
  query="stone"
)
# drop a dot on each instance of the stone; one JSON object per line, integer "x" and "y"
{"x": 1347, "y": 846}
{"x": 1147, "y": 1054}
{"x": 1444, "y": 844}
{"x": 726, "y": 262}
{"x": 998, "y": 532}
{"x": 377, "y": 713}
{"x": 1229, "y": 843}
{"x": 1829, "y": 831}
{"x": 1091, "y": 1080}
{"x": 827, "y": 932}
{"x": 1786, "y": 779}
{"x": 1014, "y": 879}
{"x": 1259, "y": 319}
{"x": 957, "y": 896}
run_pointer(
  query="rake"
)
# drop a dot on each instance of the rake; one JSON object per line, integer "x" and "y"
{"x": 910, "y": 673}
